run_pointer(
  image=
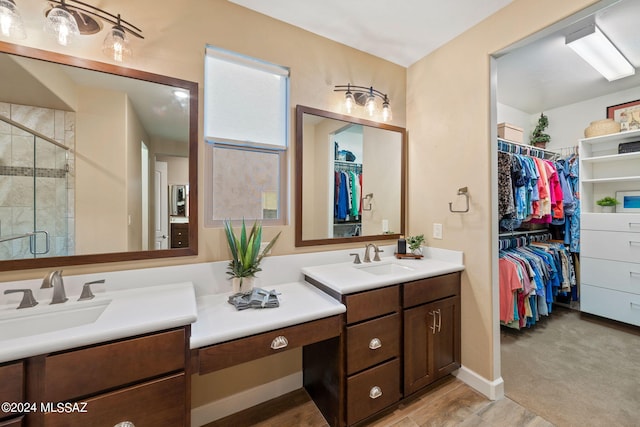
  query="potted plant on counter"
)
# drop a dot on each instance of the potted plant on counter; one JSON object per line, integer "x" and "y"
{"x": 245, "y": 255}
{"x": 415, "y": 244}
{"x": 608, "y": 204}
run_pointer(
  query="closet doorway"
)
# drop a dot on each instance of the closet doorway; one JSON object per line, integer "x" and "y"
{"x": 542, "y": 75}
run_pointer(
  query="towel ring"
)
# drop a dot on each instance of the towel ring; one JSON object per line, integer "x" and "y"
{"x": 464, "y": 191}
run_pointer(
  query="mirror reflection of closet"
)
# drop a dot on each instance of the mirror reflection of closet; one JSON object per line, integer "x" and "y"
{"x": 347, "y": 166}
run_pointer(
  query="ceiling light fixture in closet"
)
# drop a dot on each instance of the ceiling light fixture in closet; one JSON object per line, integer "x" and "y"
{"x": 366, "y": 97}
{"x": 595, "y": 47}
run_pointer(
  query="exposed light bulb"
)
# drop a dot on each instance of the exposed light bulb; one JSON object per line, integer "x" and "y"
{"x": 62, "y": 25}
{"x": 348, "y": 102}
{"x": 370, "y": 105}
{"x": 116, "y": 44}
{"x": 386, "y": 110}
{"x": 10, "y": 20}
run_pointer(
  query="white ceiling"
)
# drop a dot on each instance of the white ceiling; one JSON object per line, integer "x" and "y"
{"x": 398, "y": 31}
{"x": 535, "y": 77}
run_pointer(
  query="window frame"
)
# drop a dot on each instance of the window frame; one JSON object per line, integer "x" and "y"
{"x": 212, "y": 142}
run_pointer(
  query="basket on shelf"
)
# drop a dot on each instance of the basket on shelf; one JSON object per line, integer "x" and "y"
{"x": 602, "y": 127}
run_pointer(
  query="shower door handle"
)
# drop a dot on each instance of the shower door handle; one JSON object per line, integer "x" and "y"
{"x": 32, "y": 243}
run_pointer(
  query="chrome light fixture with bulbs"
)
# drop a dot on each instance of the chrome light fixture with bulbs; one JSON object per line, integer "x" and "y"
{"x": 366, "y": 97}
{"x": 66, "y": 20}
{"x": 595, "y": 47}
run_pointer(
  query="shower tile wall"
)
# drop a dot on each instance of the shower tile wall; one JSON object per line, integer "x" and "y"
{"x": 54, "y": 198}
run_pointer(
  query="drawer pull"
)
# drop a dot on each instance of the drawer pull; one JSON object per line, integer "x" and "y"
{"x": 433, "y": 326}
{"x": 375, "y": 392}
{"x": 375, "y": 344}
{"x": 125, "y": 424}
{"x": 633, "y": 242}
{"x": 635, "y": 305}
{"x": 439, "y": 324}
{"x": 634, "y": 224}
{"x": 634, "y": 273}
{"x": 279, "y": 342}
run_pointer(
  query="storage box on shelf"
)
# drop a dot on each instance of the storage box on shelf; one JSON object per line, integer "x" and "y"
{"x": 610, "y": 242}
{"x": 510, "y": 132}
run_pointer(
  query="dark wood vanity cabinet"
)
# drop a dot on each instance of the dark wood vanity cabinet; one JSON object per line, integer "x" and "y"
{"x": 179, "y": 235}
{"x": 143, "y": 379}
{"x": 396, "y": 341}
{"x": 11, "y": 391}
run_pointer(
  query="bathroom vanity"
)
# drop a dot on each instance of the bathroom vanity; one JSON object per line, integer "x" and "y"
{"x": 399, "y": 335}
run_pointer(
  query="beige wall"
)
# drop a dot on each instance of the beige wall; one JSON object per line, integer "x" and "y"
{"x": 101, "y": 205}
{"x": 449, "y": 122}
{"x": 136, "y": 134}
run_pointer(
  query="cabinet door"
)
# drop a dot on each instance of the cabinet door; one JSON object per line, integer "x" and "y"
{"x": 431, "y": 342}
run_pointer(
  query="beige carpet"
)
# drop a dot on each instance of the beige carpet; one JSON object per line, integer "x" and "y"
{"x": 574, "y": 370}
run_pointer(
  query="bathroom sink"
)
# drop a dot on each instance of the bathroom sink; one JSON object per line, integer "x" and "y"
{"x": 386, "y": 269}
{"x": 48, "y": 318}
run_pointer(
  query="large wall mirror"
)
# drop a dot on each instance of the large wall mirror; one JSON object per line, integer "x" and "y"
{"x": 98, "y": 163}
{"x": 350, "y": 179}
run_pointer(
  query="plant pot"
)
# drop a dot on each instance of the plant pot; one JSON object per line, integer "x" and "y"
{"x": 608, "y": 209}
{"x": 417, "y": 251}
{"x": 242, "y": 285}
{"x": 542, "y": 145}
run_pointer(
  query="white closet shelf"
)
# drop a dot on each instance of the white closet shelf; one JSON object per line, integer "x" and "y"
{"x": 619, "y": 137}
{"x": 612, "y": 157}
{"x": 612, "y": 179}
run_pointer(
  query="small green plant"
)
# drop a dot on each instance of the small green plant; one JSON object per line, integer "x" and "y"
{"x": 245, "y": 250}
{"x": 538, "y": 137}
{"x": 415, "y": 242}
{"x": 607, "y": 201}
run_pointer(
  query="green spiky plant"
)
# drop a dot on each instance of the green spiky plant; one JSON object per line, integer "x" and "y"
{"x": 245, "y": 250}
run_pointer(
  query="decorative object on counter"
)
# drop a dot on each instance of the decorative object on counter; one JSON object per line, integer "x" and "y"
{"x": 464, "y": 191}
{"x": 257, "y": 298}
{"x": 602, "y": 127}
{"x": 415, "y": 244}
{"x": 628, "y": 201}
{"x": 366, "y": 97}
{"x": 409, "y": 256}
{"x": 608, "y": 204}
{"x": 538, "y": 138}
{"x": 402, "y": 245}
{"x": 245, "y": 255}
{"x": 627, "y": 114}
{"x": 510, "y": 132}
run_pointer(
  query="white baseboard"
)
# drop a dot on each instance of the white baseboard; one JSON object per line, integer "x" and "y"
{"x": 494, "y": 390}
{"x": 246, "y": 399}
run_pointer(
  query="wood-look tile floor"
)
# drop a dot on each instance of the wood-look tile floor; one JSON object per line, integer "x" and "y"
{"x": 451, "y": 403}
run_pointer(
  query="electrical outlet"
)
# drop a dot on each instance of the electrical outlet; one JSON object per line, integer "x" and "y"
{"x": 437, "y": 231}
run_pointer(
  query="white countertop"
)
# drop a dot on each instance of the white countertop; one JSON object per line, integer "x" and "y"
{"x": 219, "y": 321}
{"x": 129, "y": 312}
{"x": 346, "y": 278}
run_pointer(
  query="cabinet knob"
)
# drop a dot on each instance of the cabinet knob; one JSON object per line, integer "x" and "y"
{"x": 279, "y": 342}
{"x": 125, "y": 424}
{"x": 375, "y": 344}
{"x": 375, "y": 392}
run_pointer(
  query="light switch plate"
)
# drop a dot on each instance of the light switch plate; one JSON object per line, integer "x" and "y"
{"x": 437, "y": 231}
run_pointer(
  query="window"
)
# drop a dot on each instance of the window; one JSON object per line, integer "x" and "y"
{"x": 246, "y": 125}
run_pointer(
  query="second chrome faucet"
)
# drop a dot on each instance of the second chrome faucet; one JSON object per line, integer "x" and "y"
{"x": 54, "y": 280}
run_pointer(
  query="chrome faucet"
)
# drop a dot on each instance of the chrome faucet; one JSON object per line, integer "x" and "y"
{"x": 375, "y": 249}
{"x": 54, "y": 280}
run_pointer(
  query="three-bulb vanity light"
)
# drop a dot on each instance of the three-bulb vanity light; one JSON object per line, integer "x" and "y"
{"x": 366, "y": 97}
{"x": 68, "y": 19}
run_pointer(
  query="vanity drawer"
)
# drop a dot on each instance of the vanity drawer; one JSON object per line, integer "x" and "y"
{"x": 11, "y": 385}
{"x": 224, "y": 355}
{"x": 365, "y": 305}
{"x": 372, "y": 390}
{"x": 179, "y": 235}
{"x": 90, "y": 370}
{"x": 430, "y": 289}
{"x": 373, "y": 342}
{"x": 157, "y": 403}
{"x": 616, "y": 246}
